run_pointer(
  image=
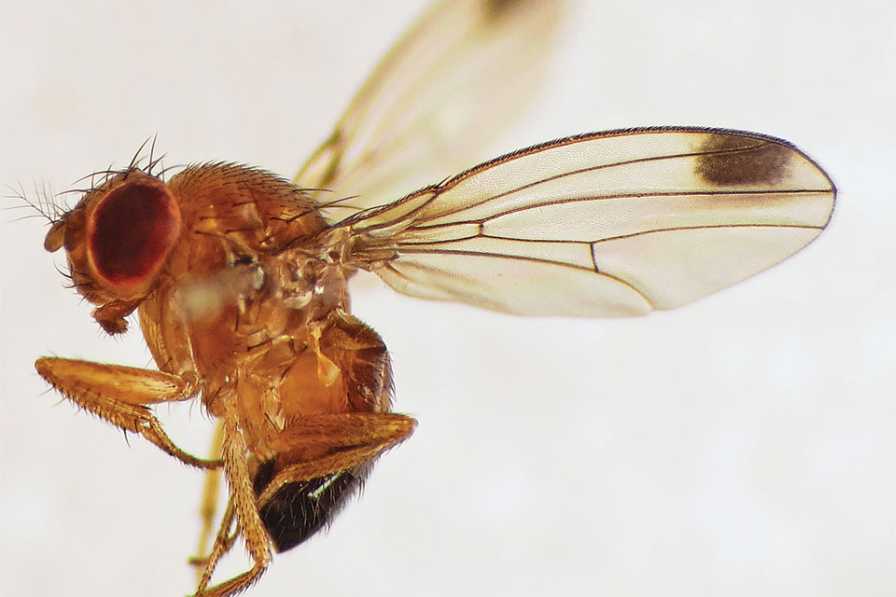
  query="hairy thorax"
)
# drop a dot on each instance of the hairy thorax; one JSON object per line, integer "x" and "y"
{"x": 252, "y": 296}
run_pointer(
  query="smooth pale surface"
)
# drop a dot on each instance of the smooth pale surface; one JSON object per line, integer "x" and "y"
{"x": 740, "y": 446}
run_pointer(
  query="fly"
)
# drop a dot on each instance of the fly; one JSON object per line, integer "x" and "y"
{"x": 239, "y": 277}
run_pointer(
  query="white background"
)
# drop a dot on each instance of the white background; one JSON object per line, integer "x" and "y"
{"x": 743, "y": 445}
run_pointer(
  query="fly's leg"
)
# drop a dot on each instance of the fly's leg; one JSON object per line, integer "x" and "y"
{"x": 319, "y": 445}
{"x": 227, "y": 535}
{"x": 242, "y": 497}
{"x": 310, "y": 446}
{"x": 343, "y": 442}
{"x": 122, "y": 395}
{"x": 224, "y": 540}
{"x": 209, "y": 504}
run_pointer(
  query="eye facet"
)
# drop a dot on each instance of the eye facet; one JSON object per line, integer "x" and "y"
{"x": 130, "y": 233}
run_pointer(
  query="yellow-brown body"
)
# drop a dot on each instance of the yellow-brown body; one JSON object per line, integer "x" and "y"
{"x": 240, "y": 283}
{"x": 253, "y": 302}
{"x": 241, "y": 290}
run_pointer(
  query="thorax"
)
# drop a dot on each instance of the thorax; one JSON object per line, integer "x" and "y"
{"x": 254, "y": 274}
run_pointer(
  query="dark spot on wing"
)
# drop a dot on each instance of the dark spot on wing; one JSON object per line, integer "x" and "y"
{"x": 497, "y": 9}
{"x": 731, "y": 160}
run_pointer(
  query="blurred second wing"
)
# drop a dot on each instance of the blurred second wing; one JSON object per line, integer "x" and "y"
{"x": 435, "y": 100}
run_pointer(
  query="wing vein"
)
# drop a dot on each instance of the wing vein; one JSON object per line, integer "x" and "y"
{"x": 495, "y": 255}
{"x": 439, "y": 190}
{"x": 707, "y": 227}
{"x": 610, "y": 196}
{"x": 452, "y": 183}
{"x": 534, "y": 260}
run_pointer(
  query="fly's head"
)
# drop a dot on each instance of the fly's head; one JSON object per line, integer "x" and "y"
{"x": 117, "y": 240}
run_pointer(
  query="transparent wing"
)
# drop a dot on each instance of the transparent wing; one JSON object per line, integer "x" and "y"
{"x": 453, "y": 81}
{"x": 604, "y": 224}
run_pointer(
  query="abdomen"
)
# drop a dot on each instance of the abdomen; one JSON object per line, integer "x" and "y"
{"x": 299, "y": 510}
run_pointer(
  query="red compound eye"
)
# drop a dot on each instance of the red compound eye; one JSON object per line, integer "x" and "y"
{"x": 130, "y": 233}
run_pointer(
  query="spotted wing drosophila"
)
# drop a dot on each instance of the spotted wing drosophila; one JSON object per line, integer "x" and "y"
{"x": 239, "y": 278}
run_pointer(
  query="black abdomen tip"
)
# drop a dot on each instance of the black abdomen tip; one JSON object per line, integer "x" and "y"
{"x": 299, "y": 510}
